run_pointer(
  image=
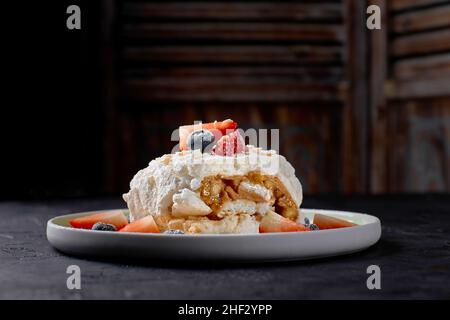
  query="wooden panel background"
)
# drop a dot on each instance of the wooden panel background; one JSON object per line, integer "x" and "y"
{"x": 419, "y": 147}
{"x": 358, "y": 111}
{"x": 264, "y": 64}
{"x": 411, "y": 120}
{"x": 231, "y": 51}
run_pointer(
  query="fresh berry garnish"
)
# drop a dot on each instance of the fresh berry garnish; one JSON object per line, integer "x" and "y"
{"x": 116, "y": 218}
{"x": 273, "y": 222}
{"x": 230, "y": 144}
{"x": 146, "y": 224}
{"x": 217, "y": 128}
{"x": 100, "y": 226}
{"x": 173, "y": 232}
{"x": 327, "y": 222}
{"x": 201, "y": 139}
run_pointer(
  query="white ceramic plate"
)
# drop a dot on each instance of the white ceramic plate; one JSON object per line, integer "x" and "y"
{"x": 227, "y": 247}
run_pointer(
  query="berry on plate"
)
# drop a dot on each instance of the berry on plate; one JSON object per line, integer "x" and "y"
{"x": 146, "y": 224}
{"x": 273, "y": 222}
{"x": 116, "y": 218}
{"x": 100, "y": 226}
{"x": 328, "y": 222}
{"x": 217, "y": 128}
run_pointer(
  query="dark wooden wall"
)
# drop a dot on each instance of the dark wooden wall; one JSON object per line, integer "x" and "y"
{"x": 264, "y": 64}
{"x": 411, "y": 115}
{"x": 356, "y": 110}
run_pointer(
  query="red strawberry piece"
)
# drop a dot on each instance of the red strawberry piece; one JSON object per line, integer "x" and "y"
{"x": 273, "y": 222}
{"x": 327, "y": 222}
{"x": 116, "y": 218}
{"x": 146, "y": 224}
{"x": 229, "y": 145}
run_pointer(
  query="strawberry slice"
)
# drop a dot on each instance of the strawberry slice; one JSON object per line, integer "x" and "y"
{"x": 273, "y": 222}
{"x": 229, "y": 145}
{"x": 116, "y": 218}
{"x": 146, "y": 224}
{"x": 218, "y": 128}
{"x": 327, "y": 222}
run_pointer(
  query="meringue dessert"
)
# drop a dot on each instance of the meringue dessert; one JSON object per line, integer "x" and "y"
{"x": 217, "y": 185}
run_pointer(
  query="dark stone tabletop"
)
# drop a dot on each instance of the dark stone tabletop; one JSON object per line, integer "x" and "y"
{"x": 413, "y": 254}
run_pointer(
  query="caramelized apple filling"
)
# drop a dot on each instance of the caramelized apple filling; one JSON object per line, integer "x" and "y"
{"x": 257, "y": 187}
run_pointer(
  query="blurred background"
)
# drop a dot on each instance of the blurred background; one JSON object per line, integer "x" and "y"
{"x": 359, "y": 111}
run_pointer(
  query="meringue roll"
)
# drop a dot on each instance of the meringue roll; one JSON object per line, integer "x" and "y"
{"x": 202, "y": 193}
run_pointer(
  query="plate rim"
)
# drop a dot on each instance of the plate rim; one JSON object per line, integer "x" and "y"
{"x": 51, "y": 224}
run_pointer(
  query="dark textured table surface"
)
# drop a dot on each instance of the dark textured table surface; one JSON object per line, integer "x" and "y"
{"x": 413, "y": 254}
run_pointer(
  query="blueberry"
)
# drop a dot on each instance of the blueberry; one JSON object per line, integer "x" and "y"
{"x": 100, "y": 226}
{"x": 173, "y": 232}
{"x": 201, "y": 139}
{"x": 307, "y": 223}
{"x": 313, "y": 227}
